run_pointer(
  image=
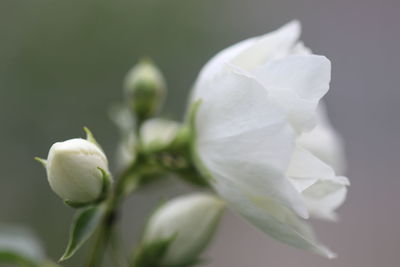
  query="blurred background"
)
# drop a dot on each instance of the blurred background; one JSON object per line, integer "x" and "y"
{"x": 62, "y": 65}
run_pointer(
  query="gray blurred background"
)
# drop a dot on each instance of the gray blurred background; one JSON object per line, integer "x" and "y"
{"x": 62, "y": 64}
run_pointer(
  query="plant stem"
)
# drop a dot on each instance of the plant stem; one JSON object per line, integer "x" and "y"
{"x": 103, "y": 236}
{"x": 117, "y": 253}
{"x": 109, "y": 220}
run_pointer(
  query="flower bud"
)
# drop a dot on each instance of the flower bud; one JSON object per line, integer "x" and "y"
{"x": 144, "y": 89}
{"x": 73, "y": 170}
{"x": 189, "y": 222}
{"x": 156, "y": 134}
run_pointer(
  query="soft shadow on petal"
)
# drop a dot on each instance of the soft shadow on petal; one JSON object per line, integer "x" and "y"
{"x": 270, "y": 46}
{"x": 325, "y": 196}
{"x": 297, "y": 83}
{"x": 250, "y": 53}
{"x": 325, "y": 142}
{"x": 242, "y": 135}
{"x": 321, "y": 189}
{"x": 271, "y": 217}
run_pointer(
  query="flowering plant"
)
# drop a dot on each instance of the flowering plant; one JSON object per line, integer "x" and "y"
{"x": 256, "y": 137}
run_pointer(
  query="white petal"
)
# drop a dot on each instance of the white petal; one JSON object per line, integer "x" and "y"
{"x": 270, "y": 46}
{"x": 216, "y": 65}
{"x": 321, "y": 189}
{"x": 301, "y": 49}
{"x": 305, "y": 169}
{"x": 271, "y": 218}
{"x": 249, "y": 53}
{"x": 323, "y": 197}
{"x": 297, "y": 83}
{"x": 243, "y": 136}
{"x": 324, "y": 142}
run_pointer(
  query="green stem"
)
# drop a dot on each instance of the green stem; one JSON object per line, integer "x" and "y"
{"x": 106, "y": 227}
{"x": 128, "y": 182}
{"x": 108, "y": 223}
{"x": 117, "y": 254}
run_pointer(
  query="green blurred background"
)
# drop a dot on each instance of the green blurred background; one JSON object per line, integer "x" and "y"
{"x": 62, "y": 63}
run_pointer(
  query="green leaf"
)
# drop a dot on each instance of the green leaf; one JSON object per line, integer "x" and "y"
{"x": 19, "y": 246}
{"x": 83, "y": 227}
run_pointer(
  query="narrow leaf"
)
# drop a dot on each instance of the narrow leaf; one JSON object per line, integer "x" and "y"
{"x": 83, "y": 227}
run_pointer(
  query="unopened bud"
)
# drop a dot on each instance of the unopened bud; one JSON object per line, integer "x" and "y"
{"x": 75, "y": 170}
{"x": 157, "y": 134}
{"x": 145, "y": 89}
{"x": 189, "y": 223}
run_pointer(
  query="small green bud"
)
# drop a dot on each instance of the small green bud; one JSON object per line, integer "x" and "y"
{"x": 145, "y": 88}
{"x": 77, "y": 170}
{"x": 188, "y": 223}
{"x": 157, "y": 134}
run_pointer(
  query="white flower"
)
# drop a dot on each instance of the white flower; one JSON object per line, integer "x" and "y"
{"x": 189, "y": 221}
{"x": 257, "y": 139}
{"x": 72, "y": 170}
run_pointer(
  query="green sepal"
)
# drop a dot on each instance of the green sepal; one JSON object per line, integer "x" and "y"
{"x": 83, "y": 226}
{"x": 191, "y": 120}
{"x": 107, "y": 182}
{"x": 42, "y": 161}
{"x": 182, "y": 137}
{"x": 90, "y": 137}
{"x": 191, "y": 115}
{"x": 76, "y": 205}
{"x": 147, "y": 255}
{"x": 192, "y": 176}
{"x": 151, "y": 255}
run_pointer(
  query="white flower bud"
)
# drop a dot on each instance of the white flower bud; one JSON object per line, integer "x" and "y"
{"x": 189, "y": 221}
{"x": 73, "y": 170}
{"x": 145, "y": 89}
{"x": 156, "y": 134}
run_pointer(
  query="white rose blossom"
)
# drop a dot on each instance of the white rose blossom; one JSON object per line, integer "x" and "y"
{"x": 260, "y": 139}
